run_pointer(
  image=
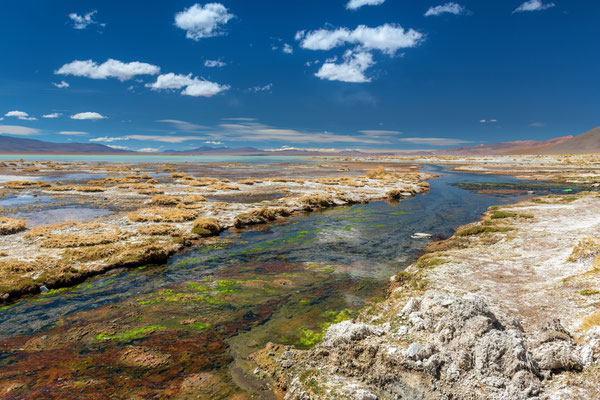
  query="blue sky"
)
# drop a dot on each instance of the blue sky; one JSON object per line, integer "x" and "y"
{"x": 365, "y": 74}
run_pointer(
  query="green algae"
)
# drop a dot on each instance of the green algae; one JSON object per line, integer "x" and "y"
{"x": 199, "y": 326}
{"x": 309, "y": 337}
{"x": 132, "y": 334}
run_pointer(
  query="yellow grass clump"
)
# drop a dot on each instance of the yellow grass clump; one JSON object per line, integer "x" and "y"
{"x": 206, "y": 226}
{"x": 26, "y": 184}
{"x": 193, "y": 198}
{"x": 9, "y": 226}
{"x": 260, "y": 216}
{"x": 90, "y": 189}
{"x": 223, "y": 186}
{"x": 150, "y": 191}
{"x": 159, "y": 230}
{"x": 76, "y": 234}
{"x": 60, "y": 188}
{"x": 164, "y": 200}
{"x": 247, "y": 182}
{"x": 159, "y": 214}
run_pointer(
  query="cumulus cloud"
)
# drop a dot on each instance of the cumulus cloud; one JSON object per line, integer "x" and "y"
{"x": 112, "y": 146}
{"x": 533, "y": 5}
{"x": 387, "y": 38}
{"x": 352, "y": 69}
{"x": 20, "y": 115}
{"x": 354, "y": 4}
{"x": 18, "y": 130}
{"x": 287, "y": 48}
{"x": 53, "y": 115}
{"x": 213, "y": 142}
{"x": 61, "y": 85}
{"x": 203, "y": 21}
{"x": 72, "y": 133}
{"x": 109, "y": 69}
{"x": 88, "y": 116}
{"x": 192, "y": 86}
{"x": 83, "y": 21}
{"x": 148, "y": 150}
{"x": 214, "y": 63}
{"x": 488, "y": 121}
{"x": 448, "y": 8}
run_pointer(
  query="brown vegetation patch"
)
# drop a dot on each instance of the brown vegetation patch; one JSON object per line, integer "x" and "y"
{"x": 193, "y": 198}
{"x": 159, "y": 230}
{"x": 9, "y": 226}
{"x": 150, "y": 191}
{"x": 158, "y": 214}
{"x": 76, "y": 234}
{"x": 586, "y": 248}
{"x": 26, "y": 184}
{"x": 90, "y": 189}
{"x": 164, "y": 200}
{"x": 206, "y": 227}
{"x": 260, "y": 216}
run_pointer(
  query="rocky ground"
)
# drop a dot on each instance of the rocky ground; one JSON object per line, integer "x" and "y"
{"x": 154, "y": 210}
{"x": 507, "y": 308}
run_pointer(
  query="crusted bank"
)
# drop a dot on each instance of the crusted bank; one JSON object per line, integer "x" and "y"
{"x": 507, "y": 308}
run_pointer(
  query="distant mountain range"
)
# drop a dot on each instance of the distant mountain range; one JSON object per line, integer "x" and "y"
{"x": 10, "y": 144}
{"x": 588, "y": 142}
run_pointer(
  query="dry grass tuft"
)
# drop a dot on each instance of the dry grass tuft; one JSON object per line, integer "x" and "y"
{"x": 76, "y": 234}
{"x": 158, "y": 214}
{"x": 164, "y": 200}
{"x": 150, "y": 191}
{"x": 247, "y": 182}
{"x": 90, "y": 189}
{"x": 260, "y": 216}
{"x": 61, "y": 188}
{"x": 8, "y": 226}
{"x": 193, "y": 198}
{"x": 586, "y": 248}
{"x": 159, "y": 230}
{"x": 206, "y": 227}
{"x": 317, "y": 201}
{"x": 26, "y": 184}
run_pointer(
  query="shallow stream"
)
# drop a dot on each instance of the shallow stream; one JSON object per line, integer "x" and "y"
{"x": 173, "y": 330}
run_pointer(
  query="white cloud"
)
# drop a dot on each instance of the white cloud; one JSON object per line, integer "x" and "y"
{"x": 112, "y": 146}
{"x": 354, "y": 4}
{"x": 287, "y": 48}
{"x": 107, "y": 139}
{"x": 61, "y": 85}
{"x": 53, "y": 115}
{"x": 488, "y": 121}
{"x": 448, "y": 8}
{"x": 183, "y": 125}
{"x": 109, "y": 69}
{"x": 380, "y": 132}
{"x": 202, "y": 21}
{"x": 533, "y": 5}
{"x": 165, "y": 139}
{"x": 264, "y": 88}
{"x": 88, "y": 115}
{"x": 148, "y": 150}
{"x": 83, "y": 21}
{"x": 72, "y": 133}
{"x": 193, "y": 86}
{"x": 387, "y": 38}
{"x": 352, "y": 69}
{"x": 18, "y": 130}
{"x": 435, "y": 141}
{"x": 21, "y": 115}
{"x": 214, "y": 63}
{"x": 213, "y": 142}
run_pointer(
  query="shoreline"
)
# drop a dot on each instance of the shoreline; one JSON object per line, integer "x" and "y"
{"x": 155, "y": 219}
{"x": 505, "y": 308}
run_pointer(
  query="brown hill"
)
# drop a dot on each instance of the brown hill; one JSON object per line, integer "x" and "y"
{"x": 517, "y": 147}
{"x": 588, "y": 142}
